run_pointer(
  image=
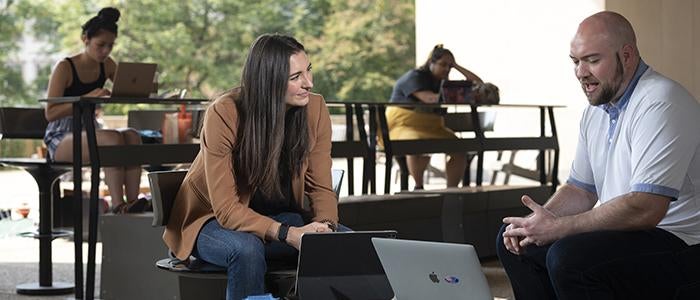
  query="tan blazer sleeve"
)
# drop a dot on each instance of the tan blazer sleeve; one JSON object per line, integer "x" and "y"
{"x": 218, "y": 139}
{"x": 318, "y": 187}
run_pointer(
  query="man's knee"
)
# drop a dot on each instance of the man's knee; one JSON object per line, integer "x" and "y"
{"x": 565, "y": 255}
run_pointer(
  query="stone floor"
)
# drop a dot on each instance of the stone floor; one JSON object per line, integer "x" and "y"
{"x": 19, "y": 264}
{"x": 19, "y": 256}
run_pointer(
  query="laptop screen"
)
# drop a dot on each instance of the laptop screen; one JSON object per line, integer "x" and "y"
{"x": 342, "y": 265}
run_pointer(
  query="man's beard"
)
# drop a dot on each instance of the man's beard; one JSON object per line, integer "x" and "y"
{"x": 609, "y": 90}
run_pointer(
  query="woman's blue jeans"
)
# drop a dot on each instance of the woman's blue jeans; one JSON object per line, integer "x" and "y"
{"x": 244, "y": 254}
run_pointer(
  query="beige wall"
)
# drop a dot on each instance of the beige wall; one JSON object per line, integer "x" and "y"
{"x": 521, "y": 46}
{"x": 668, "y": 36}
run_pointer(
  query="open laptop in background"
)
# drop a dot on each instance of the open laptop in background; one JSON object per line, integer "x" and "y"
{"x": 342, "y": 266}
{"x": 133, "y": 80}
{"x": 430, "y": 270}
{"x": 456, "y": 91}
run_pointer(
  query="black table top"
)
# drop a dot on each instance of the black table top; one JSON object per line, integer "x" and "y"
{"x": 124, "y": 100}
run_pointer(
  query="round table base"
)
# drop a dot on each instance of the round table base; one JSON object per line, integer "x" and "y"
{"x": 57, "y": 288}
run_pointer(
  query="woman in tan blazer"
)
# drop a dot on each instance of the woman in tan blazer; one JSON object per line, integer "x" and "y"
{"x": 265, "y": 146}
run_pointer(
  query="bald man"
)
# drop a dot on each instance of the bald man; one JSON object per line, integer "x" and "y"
{"x": 638, "y": 158}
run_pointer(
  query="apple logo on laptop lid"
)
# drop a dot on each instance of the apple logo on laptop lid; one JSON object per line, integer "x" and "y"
{"x": 433, "y": 277}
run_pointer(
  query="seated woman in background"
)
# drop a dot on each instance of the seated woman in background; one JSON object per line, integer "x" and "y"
{"x": 265, "y": 147}
{"x": 422, "y": 85}
{"x": 85, "y": 74}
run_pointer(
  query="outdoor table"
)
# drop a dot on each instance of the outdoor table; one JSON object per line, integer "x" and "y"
{"x": 478, "y": 144}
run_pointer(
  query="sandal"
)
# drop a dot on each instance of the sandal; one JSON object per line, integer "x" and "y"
{"x": 119, "y": 209}
{"x": 137, "y": 206}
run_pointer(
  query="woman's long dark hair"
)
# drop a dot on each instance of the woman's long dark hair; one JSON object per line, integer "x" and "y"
{"x": 265, "y": 139}
{"x": 106, "y": 19}
{"x": 438, "y": 52}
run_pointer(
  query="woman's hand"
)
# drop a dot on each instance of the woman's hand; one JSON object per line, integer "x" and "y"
{"x": 99, "y": 92}
{"x": 55, "y": 111}
{"x": 451, "y": 61}
{"x": 295, "y": 233}
{"x": 467, "y": 74}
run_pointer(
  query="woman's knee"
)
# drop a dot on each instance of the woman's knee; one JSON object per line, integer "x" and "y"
{"x": 109, "y": 138}
{"x": 249, "y": 249}
{"x": 130, "y": 136}
{"x": 250, "y": 258}
{"x": 226, "y": 247}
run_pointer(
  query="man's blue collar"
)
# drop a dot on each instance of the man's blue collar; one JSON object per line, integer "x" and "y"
{"x": 622, "y": 103}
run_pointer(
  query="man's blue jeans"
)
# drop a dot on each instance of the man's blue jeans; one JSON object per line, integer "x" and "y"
{"x": 244, "y": 254}
{"x": 597, "y": 265}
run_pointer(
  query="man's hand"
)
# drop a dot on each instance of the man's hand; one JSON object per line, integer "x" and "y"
{"x": 295, "y": 233}
{"x": 512, "y": 243}
{"x": 540, "y": 228}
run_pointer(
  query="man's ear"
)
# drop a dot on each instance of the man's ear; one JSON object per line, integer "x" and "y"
{"x": 84, "y": 38}
{"x": 627, "y": 53}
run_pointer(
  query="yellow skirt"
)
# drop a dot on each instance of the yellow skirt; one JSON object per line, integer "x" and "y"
{"x": 406, "y": 124}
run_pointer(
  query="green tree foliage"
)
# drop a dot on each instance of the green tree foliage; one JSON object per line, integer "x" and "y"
{"x": 358, "y": 48}
{"x": 11, "y": 28}
{"x": 18, "y": 20}
{"x": 363, "y": 48}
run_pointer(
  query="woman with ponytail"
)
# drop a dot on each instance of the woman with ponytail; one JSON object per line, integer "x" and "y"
{"x": 266, "y": 147}
{"x": 422, "y": 85}
{"x": 84, "y": 74}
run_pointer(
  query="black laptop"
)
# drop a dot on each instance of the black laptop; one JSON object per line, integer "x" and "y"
{"x": 342, "y": 265}
{"x": 456, "y": 91}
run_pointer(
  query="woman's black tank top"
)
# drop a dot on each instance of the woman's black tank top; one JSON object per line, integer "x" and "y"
{"x": 78, "y": 88}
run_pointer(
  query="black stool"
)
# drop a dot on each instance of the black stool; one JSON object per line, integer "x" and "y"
{"x": 29, "y": 123}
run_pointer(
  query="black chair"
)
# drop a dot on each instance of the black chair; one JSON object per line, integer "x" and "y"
{"x": 147, "y": 119}
{"x": 164, "y": 187}
{"x": 30, "y": 123}
{"x": 149, "y": 124}
{"x": 153, "y": 119}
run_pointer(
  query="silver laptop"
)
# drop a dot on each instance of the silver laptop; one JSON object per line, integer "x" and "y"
{"x": 430, "y": 270}
{"x": 133, "y": 80}
{"x": 342, "y": 266}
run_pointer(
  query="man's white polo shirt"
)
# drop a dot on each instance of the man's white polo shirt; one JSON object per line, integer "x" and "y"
{"x": 647, "y": 142}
